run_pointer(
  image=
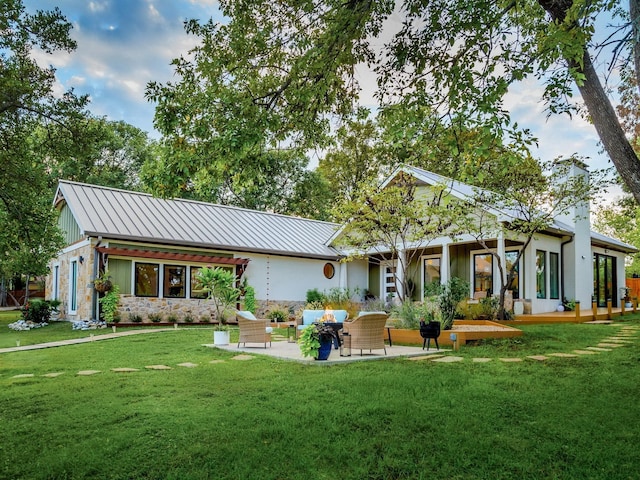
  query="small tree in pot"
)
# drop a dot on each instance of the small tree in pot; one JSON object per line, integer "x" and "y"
{"x": 219, "y": 285}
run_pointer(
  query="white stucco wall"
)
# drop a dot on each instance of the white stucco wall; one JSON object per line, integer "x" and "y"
{"x": 277, "y": 278}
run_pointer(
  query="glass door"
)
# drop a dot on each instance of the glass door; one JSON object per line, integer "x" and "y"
{"x": 604, "y": 279}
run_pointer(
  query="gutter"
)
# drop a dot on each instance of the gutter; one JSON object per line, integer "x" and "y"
{"x": 94, "y": 295}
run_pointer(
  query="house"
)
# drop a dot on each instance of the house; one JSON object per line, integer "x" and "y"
{"x": 154, "y": 247}
{"x": 567, "y": 260}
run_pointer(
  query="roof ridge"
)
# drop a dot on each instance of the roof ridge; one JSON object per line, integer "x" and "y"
{"x": 191, "y": 201}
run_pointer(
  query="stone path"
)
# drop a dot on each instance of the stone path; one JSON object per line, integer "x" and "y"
{"x": 626, "y": 336}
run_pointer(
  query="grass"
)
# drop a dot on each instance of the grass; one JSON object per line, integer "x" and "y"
{"x": 265, "y": 419}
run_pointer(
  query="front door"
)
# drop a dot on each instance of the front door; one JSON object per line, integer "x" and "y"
{"x": 604, "y": 279}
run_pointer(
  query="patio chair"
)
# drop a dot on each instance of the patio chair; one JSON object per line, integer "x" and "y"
{"x": 367, "y": 331}
{"x": 253, "y": 330}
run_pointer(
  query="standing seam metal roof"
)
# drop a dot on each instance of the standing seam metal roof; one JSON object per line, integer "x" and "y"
{"x": 122, "y": 214}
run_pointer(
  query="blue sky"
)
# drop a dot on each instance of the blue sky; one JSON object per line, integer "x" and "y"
{"x": 123, "y": 44}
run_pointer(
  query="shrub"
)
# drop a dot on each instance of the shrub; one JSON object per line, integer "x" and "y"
{"x": 172, "y": 318}
{"x": 315, "y": 296}
{"x": 36, "y": 311}
{"x": 155, "y": 317}
{"x": 453, "y": 292}
{"x": 135, "y": 318}
{"x": 277, "y": 313}
{"x": 109, "y": 303}
{"x": 250, "y": 299}
{"x": 409, "y": 314}
{"x": 188, "y": 318}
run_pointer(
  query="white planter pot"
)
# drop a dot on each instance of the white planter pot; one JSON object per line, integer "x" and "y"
{"x": 220, "y": 337}
{"x": 627, "y": 305}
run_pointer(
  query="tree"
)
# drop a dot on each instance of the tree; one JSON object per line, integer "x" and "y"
{"x": 95, "y": 150}
{"x": 459, "y": 58}
{"x": 619, "y": 219}
{"x": 395, "y": 223}
{"x": 538, "y": 194}
{"x": 29, "y": 235}
{"x": 353, "y": 161}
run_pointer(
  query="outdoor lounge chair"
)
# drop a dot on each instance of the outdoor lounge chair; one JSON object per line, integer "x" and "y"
{"x": 367, "y": 331}
{"x": 253, "y": 330}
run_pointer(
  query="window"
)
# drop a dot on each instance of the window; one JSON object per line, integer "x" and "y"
{"x": 389, "y": 281}
{"x": 196, "y": 288}
{"x": 541, "y": 274}
{"x": 329, "y": 270}
{"x": 431, "y": 272}
{"x": 483, "y": 273}
{"x": 554, "y": 275}
{"x": 146, "y": 279}
{"x": 514, "y": 285}
{"x": 73, "y": 286}
{"x": 174, "y": 281}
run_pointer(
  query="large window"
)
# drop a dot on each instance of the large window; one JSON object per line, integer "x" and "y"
{"x": 541, "y": 274}
{"x": 554, "y": 275}
{"x": 514, "y": 285}
{"x": 147, "y": 279}
{"x": 483, "y": 273}
{"x": 174, "y": 281}
{"x": 196, "y": 288}
{"x": 431, "y": 272}
{"x": 73, "y": 286}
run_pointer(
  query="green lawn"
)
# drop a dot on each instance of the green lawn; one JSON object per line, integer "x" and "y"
{"x": 565, "y": 418}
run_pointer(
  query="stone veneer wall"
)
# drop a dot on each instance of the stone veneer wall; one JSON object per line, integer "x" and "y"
{"x": 181, "y": 307}
{"x": 85, "y": 287}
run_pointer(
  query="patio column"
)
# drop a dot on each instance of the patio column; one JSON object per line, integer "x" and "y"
{"x": 445, "y": 264}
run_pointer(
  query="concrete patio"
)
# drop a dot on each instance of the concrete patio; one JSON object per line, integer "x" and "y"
{"x": 284, "y": 350}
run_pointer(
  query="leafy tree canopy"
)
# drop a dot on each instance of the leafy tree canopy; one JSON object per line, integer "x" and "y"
{"x": 276, "y": 73}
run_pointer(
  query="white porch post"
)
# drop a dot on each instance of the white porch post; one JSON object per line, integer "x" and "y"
{"x": 342, "y": 282}
{"x": 444, "y": 264}
{"x": 497, "y": 280}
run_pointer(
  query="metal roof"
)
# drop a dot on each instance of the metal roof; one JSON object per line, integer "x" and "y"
{"x": 121, "y": 214}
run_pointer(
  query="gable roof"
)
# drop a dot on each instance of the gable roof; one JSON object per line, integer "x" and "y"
{"x": 464, "y": 191}
{"x": 121, "y": 214}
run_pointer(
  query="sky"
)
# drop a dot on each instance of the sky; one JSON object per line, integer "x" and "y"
{"x": 124, "y": 44}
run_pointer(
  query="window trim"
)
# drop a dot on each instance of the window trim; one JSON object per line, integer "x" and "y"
{"x": 424, "y": 258}
{"x": 544, "y": 274}
{"x": 555, "y": 255}
{"x": 473, "y": 271}
{"x": 74, "y": 276}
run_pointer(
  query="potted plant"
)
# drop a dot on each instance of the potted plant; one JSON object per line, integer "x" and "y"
{"x": 219, "y": 285}
{"x": 317, "y": 340}
{"x": 103, "y": 283}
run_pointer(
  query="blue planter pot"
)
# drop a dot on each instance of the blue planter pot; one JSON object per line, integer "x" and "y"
{"x": 325, "y": 349}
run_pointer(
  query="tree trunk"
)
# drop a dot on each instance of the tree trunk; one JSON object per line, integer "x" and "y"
{"x": 603, "y": 115}
{"x": 608, "y": 126}
{"x": 634, "y": 14}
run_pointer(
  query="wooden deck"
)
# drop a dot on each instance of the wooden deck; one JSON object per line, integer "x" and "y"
{"x": 600, "y": 314}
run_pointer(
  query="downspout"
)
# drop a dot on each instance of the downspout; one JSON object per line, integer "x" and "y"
{"x": 94, "y": 295}
{"x": 566, "y": 242}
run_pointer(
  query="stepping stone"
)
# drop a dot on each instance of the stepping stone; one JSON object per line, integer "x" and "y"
{"x": 124, "y": 370}
{"x": 216, "y": 361}
{"x": 243, "y": 357}
{"x": 539, "y": 358}
{"x": 599, "y": 349}
{"x": 24, "y": 375}
{"x": 158, "y": 367}
{"x": 482, "y": 360}
{"x": 613, "y": 345}
{"x": 448, "y": 359}
{"x": 563, "y": 355}
{"x": 86, "y": 373}
{"x": 53, "y": 374}
{"x": 188, "y": 365}
{"x": 424, "y": 357}
{"x": 586, "y": 352}
{"x": 511, "y": 360}
{"x": 617, "y": 340}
